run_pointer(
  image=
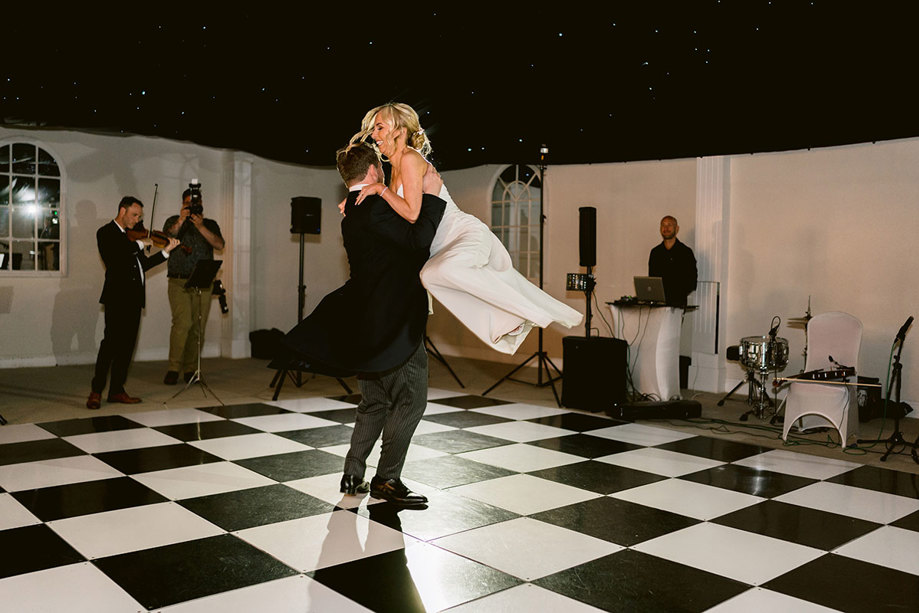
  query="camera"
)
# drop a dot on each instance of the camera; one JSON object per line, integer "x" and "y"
{"x": 195, "y": 207}
{"x": 221, "y": 292}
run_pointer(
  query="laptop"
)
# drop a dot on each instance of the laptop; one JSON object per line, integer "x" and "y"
{"x": 650, "y": 289}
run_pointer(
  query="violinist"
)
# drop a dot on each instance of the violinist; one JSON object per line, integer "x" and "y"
{"x": 199, "y": 237}
{"x": 124, "y": 297}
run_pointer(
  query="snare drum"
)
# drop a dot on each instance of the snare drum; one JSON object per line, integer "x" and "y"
{"x": 761, "y": 353}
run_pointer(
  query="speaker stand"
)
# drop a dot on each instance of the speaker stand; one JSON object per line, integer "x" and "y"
{"x": 434, "y": 353}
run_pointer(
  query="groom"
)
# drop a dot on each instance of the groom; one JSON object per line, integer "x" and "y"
{"x": 374, "y": 325}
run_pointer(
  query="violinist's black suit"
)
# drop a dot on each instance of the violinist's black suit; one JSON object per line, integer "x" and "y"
{"x": 124, "y": 297}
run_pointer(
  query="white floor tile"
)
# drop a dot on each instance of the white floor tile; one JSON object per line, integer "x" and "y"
{"x": 519, "y": 410}
{"x": 660, "y": 461}
{"x": 852, "y": 501}
{"x": 759, "y": 600}
{"x": 415, "y": 452}
{"x": 640, "y": 435}
{"x": 800, "y": 464}
{"x": 326, "y": 488}
{"x": 521, "y": 431}
{"x": 113, "y": 532}
{"x": 285, "y": 422}
{"x": 202, "y": 479}
{"x": 311, "y": 405}
{"x": 524, "y": 494}
{"x": 20, "y": 433}
{"x": 688, "y": 498}
{"x": 887, "y": 546}
{"x": 433, "y": 408}
{"x": 429, "y": 427}
{"x": 172, "y": 417}
{"x": 76, "y": 588}
{"x": 525, "y": 597}
{"x": 500, "y": 546}
{"x": 60, "y": 471}
{"x": 522, "y": 458}
{"x": 737, "y": 554}
{"x": 118, "y": 440}
{"x": 320, "y": 541}
{"x": 249, "y": 446}
{"x": 289, "y": 595}
{"x": 435, "y": 393}
{"x": 14, "y": 515}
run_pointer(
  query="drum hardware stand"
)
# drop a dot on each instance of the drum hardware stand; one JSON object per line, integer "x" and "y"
{"x": 202, "y": 277}
{"x": 543, "y": 362}
{"x": 896, "y": 439}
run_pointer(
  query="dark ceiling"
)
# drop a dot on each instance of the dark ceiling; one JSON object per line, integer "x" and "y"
{"x": 620, "y": 81}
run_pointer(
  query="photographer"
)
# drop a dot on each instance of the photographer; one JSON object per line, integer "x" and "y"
{"x": 202, "y": 236}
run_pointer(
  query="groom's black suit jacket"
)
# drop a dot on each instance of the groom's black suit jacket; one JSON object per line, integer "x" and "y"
{"x": 375, "y": 321}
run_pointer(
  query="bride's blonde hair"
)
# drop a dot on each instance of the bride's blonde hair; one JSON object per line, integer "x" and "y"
{"x": 401, "y": 116}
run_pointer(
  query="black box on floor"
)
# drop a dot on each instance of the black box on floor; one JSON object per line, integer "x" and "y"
{"x": 595, "y": 372}
{"x": 668, "y": 409}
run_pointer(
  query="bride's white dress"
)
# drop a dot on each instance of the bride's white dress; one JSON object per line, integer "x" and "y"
{"x": 471, "y": 273}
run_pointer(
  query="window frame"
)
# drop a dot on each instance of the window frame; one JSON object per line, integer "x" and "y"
{"x": 510, "y": 233}
{"x": 10, "y": 273}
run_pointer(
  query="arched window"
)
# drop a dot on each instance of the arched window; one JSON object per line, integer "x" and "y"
{"x": 30, "y": 209}
{"x": 515, "y": 216}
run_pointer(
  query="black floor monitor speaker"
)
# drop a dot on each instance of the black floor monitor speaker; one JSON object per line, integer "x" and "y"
{"x": 595, "y": 372}
{"x": 305, "y": 215}
{"x": 668, "y": 409}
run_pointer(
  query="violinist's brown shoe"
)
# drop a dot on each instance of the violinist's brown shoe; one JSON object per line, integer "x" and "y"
{"x": 94, "y": 401}
{"x": 123, "y": 398}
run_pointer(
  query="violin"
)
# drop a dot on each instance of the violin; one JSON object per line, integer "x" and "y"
{"x": 157, "y": 238}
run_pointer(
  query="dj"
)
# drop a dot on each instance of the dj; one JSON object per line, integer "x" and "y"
{"x": 674, "y": 262}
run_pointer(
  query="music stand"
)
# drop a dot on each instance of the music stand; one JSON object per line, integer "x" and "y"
{"x": 202, "y": 277}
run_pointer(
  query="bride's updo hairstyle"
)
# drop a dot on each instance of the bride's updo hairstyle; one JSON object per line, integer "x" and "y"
{"x": 401, "y": 116}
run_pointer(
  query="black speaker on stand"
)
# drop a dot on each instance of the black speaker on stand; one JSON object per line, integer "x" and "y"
{"x": 305, "y": 218}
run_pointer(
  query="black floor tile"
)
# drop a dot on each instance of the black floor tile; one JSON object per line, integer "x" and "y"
{"x": 207, "y": 429}
{"x": 630, "y": 581}
{"x": 295, "y": 465}
{"x": 354, "y": 398}
{"x": 256, "y": 507}
{"x": 50, "y": 503}
{"x": 162, "y": 576}
{"x": 235, "y": 411}
{"x": 106, "y": 423}
{"x": 326, "y": 436}
{"x": 470, "y": 402}
{"x": 585, "y": 445}
{"x": 910, "y": 522}
{"x": 617, "y": 521}
{"x": 149, "y": 459}
{"x": 458, "y": 441}
{"x": 35, "y": 451}
{"x": 847, "y": 584}
{"x": 33, "y": 548}
{"x": 450, "y": 471}
{"x": 465, "y": 419}
{"x": 714, "y": 448}
{"x": 342, "y": 416}
{"x": 765, "y": 484}
{"x": 446, "y": 514}
{"x": 789, "y": 522}
{"x": 598, "y": 476}
{"x": 881, "y": 480}
{"x": 578, "y": 422}
{"x": 384, "y": 582}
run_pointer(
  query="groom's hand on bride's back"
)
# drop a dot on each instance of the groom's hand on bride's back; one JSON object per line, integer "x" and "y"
{"x": 432, "y": 182}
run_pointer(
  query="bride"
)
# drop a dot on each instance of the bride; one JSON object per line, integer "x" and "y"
{"x": 469, "y": 271}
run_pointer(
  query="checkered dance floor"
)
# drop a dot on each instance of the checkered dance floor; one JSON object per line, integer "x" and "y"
{"x": 237, "y": 508}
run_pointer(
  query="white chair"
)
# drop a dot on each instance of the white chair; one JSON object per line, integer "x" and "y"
{"x": 829, "y": 334}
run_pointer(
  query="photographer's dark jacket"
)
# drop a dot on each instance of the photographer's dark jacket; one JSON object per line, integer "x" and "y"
{"x": 182, "y": 264}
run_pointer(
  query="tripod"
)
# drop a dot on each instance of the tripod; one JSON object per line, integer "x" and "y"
{"x": 757, "y": 396}
{"x": 202, "y": 277}
{"x": 896, "y": 439}
{"x": 542, "y": 359}
{"x": 434, "y": 353}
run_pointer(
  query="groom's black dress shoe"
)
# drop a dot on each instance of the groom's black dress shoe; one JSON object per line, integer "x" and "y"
{"x": 395, "y": 491}
{"x": 352, "y": 485}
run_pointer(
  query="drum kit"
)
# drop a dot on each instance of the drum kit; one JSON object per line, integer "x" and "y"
{"x": 760, "y": 355}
